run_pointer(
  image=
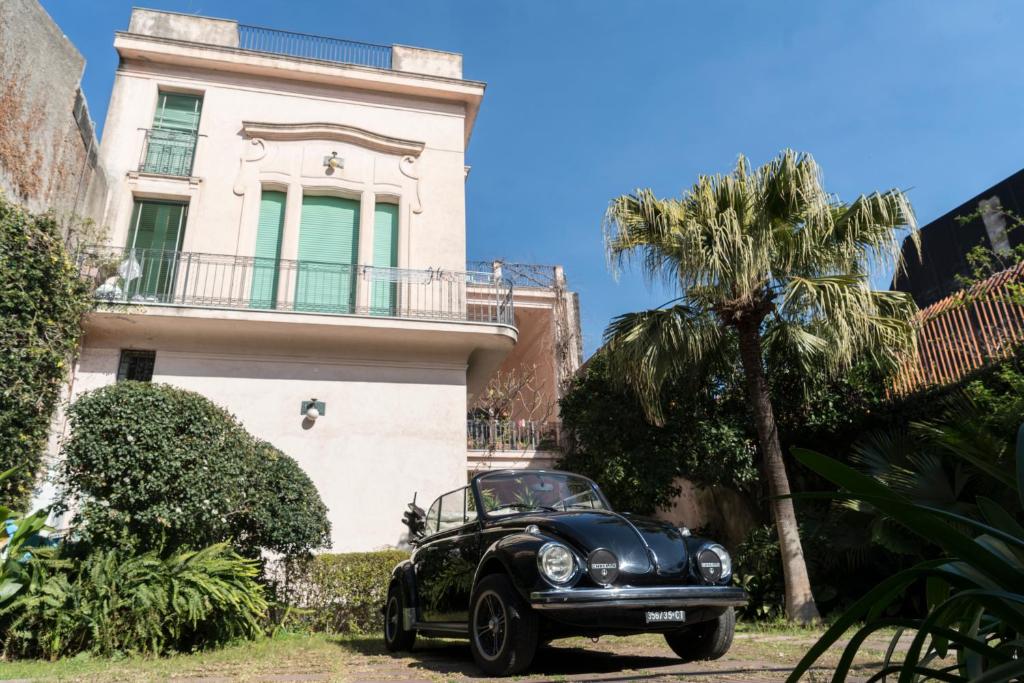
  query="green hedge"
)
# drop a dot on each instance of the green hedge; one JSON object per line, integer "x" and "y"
{"x": 160, "y": 467}
{"x": 42, "y": 301}
{"x": 340, "y": 593}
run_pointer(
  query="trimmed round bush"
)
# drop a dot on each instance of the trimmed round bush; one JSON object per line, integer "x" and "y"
{"x": 291, "y": 519}
{"x": 42, "y": 301}
{"x": 157, "y": 467}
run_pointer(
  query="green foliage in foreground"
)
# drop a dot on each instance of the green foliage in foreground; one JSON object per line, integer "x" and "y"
{"x": 114, "y": 602}
{"x": 974, "y": 626}
{"x": 42, "y": 301}
{"x": 21, "y": 544}
{"x": 155, "y": 466}
{"x": 339, "y": 593}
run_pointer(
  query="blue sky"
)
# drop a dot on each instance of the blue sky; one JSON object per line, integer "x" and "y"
{"x": 588, "y": 99}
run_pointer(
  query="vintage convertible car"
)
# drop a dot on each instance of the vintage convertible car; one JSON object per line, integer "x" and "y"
{"x": 524, "y": 556}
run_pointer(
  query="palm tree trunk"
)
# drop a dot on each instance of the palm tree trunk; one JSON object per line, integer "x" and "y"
{"x": 800, "y": 605}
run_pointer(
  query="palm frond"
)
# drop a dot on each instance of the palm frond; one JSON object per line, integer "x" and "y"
{"x": 647, "y": 348}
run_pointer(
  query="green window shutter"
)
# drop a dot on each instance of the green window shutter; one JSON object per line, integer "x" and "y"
{"x": 178, "y": 112}
{"x": 154, "y": 246}
{"x": 385, "y": 255}
{"x": 268, "y": 250}
{"x": 172, "y": 141}
{"x": 328, "y": 248}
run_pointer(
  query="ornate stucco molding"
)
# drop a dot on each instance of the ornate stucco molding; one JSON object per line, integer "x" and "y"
{"x": 254, "y": 151}
{"x": 332, "y": 131}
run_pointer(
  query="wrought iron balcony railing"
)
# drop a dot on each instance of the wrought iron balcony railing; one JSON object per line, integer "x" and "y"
{"x": 168, "y": 152}
{"x": 158, "y": 277}
{"x": 510, "y": 435}
{"x": 310, "y": 46}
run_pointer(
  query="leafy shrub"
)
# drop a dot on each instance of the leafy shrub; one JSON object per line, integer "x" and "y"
{"x": 758, "y": 570}
{"x": 343, "y": 592}
{"x": 20, "y": 543}
{"x": 290, "y": 518}
{"x": 159, "y": 467}
{"x": 42, "y": 301}
{"x": 113, "y": 602}
{"x": 973, "y": 628}
{"x": 636, "y": 463}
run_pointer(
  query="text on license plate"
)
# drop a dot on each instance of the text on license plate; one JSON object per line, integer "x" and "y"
{"x": 659, "y": 616}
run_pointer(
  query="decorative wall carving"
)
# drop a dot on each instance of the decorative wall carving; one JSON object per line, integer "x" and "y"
{"x": 254, "y": 151}
{"x": 408, "y": 168}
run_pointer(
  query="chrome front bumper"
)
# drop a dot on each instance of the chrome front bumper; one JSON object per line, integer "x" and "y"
{"x": 656, "y": 597}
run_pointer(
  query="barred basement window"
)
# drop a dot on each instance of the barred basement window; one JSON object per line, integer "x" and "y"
{"x": 136, "y": 365}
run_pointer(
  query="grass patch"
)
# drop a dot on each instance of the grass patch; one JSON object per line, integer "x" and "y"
{"x": 285, "y": 652}
{"x": 361, "y": 657}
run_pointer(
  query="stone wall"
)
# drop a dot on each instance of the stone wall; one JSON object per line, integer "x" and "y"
{"x": 48, "y": 150}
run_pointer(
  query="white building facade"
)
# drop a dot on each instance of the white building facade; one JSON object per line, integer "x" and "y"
{"x": 288, "y": 230}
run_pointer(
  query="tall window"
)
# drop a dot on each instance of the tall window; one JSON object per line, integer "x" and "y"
{"x": 171, "y": 143}
{"x": 136, "y": 365}
{"x": 153, "y": 250}
{"x": 328, "y": 248}
{"x": 265, "y": 269}
{"x": 385, "y": 258}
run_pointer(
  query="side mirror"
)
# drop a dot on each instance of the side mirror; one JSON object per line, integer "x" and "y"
{"x": 415, "y": 518}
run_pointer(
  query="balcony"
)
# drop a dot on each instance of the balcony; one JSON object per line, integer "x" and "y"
{"x": 511, "y": 435}
{"x": 154, "y": 277}
{"x": 168, "y": 152}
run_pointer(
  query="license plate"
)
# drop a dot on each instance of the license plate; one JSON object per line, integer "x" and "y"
{"x": 660, "y": 616}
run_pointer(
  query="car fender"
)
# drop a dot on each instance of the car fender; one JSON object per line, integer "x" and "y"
{"x": 405, "y": 576}
{"x": 517, "y": 554}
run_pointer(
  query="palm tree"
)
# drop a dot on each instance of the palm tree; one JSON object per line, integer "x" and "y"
{"x": 768, "y": 258}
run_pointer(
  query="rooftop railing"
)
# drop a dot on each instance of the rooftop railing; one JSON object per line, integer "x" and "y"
{"x": 308, "y": 46}
{"x": 520, "y": 274}
{"x": 177, "y": 278}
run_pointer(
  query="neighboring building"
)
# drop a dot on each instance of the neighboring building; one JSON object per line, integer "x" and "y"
{"x": 946, "y": 241}
{"x": 48, "y": 150}
{"x": 515, "y": 422}
{"x": 288, "y": 232}
{"x": 960, "y": 331}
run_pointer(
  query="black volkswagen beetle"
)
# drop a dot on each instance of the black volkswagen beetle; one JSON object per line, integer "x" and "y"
{"x": 524, "y": 556}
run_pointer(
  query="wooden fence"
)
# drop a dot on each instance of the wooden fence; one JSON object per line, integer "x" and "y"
{"x": 965, "y": 331}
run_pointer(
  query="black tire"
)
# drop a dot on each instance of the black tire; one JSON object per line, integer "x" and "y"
{"x": 502, "y": 628}
{"x": 396, "y": 637}
{"x": 706, "y": 640}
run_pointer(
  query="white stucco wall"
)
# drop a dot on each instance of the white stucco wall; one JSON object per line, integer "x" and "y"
{"x": 395, "y": 391}
{"x": 230, "y": 170}
{"x": 390, "y": 427}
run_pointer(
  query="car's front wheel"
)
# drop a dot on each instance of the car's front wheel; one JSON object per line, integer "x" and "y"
{"x": 396, "y": 636}
{"x": 503, "y": 628}
{"x": 706, "y": 640}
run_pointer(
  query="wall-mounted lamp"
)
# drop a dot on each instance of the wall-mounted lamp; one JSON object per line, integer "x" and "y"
{"x": 312, "y": 409}
{"x": 334, "y": 161}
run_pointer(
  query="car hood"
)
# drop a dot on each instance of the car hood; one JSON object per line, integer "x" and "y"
{"x": 646, "y": 548}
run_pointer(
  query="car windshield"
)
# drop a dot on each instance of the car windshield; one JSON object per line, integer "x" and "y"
{"x": 506, "y": 493}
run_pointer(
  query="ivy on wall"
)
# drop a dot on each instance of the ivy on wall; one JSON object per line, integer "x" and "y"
{"x": 42, "y": 302}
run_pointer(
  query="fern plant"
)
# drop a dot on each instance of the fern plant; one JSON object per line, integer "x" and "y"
{"x": 111, "y": 603}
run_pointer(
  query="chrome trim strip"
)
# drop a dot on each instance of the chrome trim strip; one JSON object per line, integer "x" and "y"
{"x": 657, "y": 596}
{"x": 651, "y": 555}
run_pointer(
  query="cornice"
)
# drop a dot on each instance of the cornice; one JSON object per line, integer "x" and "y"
{"x": 332, "y": 131}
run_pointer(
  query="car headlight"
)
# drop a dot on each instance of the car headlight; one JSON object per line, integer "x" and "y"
{"x": 714, "y": 563}
{"x": 556, "y": 563}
